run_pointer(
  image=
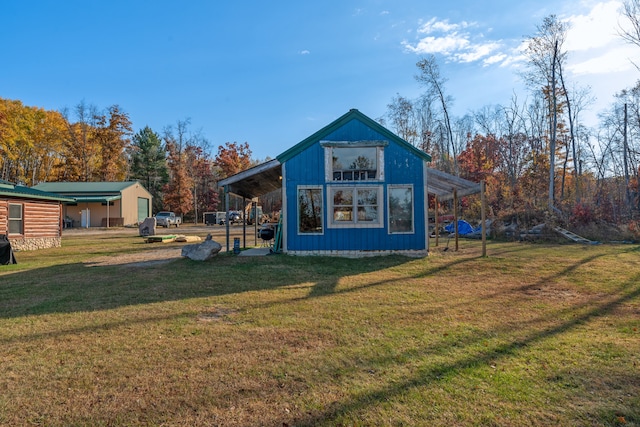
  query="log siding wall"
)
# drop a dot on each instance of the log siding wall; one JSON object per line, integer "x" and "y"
{"x": 41, "y": 224}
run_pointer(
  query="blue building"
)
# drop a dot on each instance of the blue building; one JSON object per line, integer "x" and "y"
{"x": 353, "y": 188}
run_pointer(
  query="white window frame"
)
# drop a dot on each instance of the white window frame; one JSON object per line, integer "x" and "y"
{"x": 322, "y": 213}
{"x": 354, "y": 223}
{"x": 328, "y": 158}
{"x": 413, "y": 208}
{"x": 11, "y": 219}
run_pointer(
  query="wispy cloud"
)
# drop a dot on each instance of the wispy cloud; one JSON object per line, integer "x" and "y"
{"x": 456, "y": 41}
{"x": 594, "y": 43}
{"x": 304, "y": 52}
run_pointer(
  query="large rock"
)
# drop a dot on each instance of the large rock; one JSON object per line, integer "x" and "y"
{"x": 202, "y": 251}
{"x": 148, "y": 227}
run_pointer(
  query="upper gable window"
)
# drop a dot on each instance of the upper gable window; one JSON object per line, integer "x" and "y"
{"x": 354, "y": 161}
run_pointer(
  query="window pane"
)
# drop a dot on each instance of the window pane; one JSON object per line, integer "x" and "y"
{"x": 400, "y": 210}
{"x": 15, "y": 211}
{"x": 354, "y": 163}
{"x": 342, "y": 197}
{"x": 368, "y": 213}
{"x": 368, "y": 196}
{"x": 310, "y": 210}
{"x": 343, "y": 214}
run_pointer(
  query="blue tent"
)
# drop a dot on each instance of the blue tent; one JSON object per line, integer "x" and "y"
{"x": 463, "y": 228}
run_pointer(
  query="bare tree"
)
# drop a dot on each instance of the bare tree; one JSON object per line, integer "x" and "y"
{"x": 546, "y": 56}
{"x": 430, "y": 77}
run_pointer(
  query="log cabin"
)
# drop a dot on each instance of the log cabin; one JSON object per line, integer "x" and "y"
{"x": 31, "y": 219}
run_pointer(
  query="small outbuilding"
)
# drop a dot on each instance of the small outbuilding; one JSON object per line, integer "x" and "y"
{"x": 30, "y": 218}
{"x": 102, "y": 204}
{"x": 353, "y": 188}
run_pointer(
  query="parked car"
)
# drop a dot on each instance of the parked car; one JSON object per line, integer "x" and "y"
{"x": 166, "y": 219}
{"x": 235, "y": 217}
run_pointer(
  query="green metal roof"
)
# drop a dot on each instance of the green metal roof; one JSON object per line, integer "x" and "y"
{"x": 85, "y": 188}
{"x": 353, "y": 114}
{"x": 12, "y": 190}
{"x": 96, "y": 199}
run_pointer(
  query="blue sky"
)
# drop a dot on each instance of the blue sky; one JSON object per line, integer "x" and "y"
{"x": 273, "y": 73}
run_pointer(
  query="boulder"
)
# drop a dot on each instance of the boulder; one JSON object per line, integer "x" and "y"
{"x": 147, "y": 227}
{"x": 202, "y": 251}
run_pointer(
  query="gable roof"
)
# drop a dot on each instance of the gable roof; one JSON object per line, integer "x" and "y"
{"x": 353, "y": 114}
{"x": 13, "y": 190}
{"x": 81, "y": 188}
{"x": 266, "y": 176}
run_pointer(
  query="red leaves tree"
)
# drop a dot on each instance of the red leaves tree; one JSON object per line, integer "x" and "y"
{"x": 233, "y": 158}
{"x": 177, "y": 193}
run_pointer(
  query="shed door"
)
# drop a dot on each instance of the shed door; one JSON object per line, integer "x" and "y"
{"x": 143, "y": 209}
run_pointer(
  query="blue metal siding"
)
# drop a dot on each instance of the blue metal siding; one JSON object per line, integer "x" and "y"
{"x": 400, "y": 167}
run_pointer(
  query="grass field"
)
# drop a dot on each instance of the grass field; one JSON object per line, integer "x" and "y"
{"x": 534, "y": 334}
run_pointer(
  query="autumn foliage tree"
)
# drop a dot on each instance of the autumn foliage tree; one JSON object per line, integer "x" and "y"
{"x": 233, "y": 158}
{"x": 178, "y": 195}
{"x": 112, "y": 136}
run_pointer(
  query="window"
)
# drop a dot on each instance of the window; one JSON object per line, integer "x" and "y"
{"x": 354, "y": 164}
{"x": 354, "y": 160}
{"x": 400, "y": 209}
{"x": 356, "y": 206}
{"x": 15, "y": 219}
{"x": 310, "y": 210}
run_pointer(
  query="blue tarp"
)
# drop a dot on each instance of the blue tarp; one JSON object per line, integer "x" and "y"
{"x": 463, "y": 228}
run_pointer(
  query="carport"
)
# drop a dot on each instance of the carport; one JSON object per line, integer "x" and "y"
{"x": 251, "y": 184}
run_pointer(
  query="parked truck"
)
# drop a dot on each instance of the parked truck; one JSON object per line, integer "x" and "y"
{"x": 166, "y": 219}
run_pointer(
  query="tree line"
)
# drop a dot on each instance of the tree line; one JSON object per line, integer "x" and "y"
{"x": 537, "y": 156}
{"x": 86, "y": 144}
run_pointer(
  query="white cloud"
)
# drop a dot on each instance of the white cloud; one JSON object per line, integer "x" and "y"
{"x": 452, "y": 41}
{"x": 445, "y": 45}
{"x": 477, "y": 51}
{"x": 613, "y": 60}
{"x": 494, "y": 59}
{"x": 434, "y": 25}
{"x": 594, "y": 43}
{"x": 596, "y": 29}
{"x": 304, "y": 52}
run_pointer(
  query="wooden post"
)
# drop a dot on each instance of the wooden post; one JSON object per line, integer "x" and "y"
{"x": 455, "y": 216}
{"x": 437, "y": 220}
{"x": 226, "y": 215}
{"x": 483, "y": 216}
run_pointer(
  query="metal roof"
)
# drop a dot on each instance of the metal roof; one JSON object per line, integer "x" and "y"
{"x": 13, "y": 190}
{"x": 256, "y": 181}
{"x": 267, "y": 177}
{"x": 353, "y": 114}
{"x": 96, "y": 199}
{"x": 85, "y": 188}
{"x": 442, "y": 184}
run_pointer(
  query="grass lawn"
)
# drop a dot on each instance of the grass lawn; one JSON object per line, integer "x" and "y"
{"x": 534, "y": 334}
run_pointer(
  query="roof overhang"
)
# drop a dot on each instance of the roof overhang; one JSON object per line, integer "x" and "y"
{"x": 256, "y": 181}
{"x": 96, "y": 199}
{"x": 442, "y": 184}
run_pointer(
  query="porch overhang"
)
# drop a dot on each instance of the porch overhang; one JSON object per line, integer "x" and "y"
{"x": 256, "y": 181}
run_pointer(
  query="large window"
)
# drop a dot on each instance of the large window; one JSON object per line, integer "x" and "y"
{"x": 356, "y": 206}
{"x": 15, "y": 219}
{"x": 354, "y": 164}
{"x": 400, "y": 209}
{"x": 354, "y": 160}
{"x": 310, "y": 210}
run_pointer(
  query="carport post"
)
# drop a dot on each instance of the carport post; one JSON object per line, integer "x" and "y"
{"x": 455, "y": 215}
{"x": 483, "y": 216}
{"x": 435, "y": 201}
{"x": 226, "y": 209}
